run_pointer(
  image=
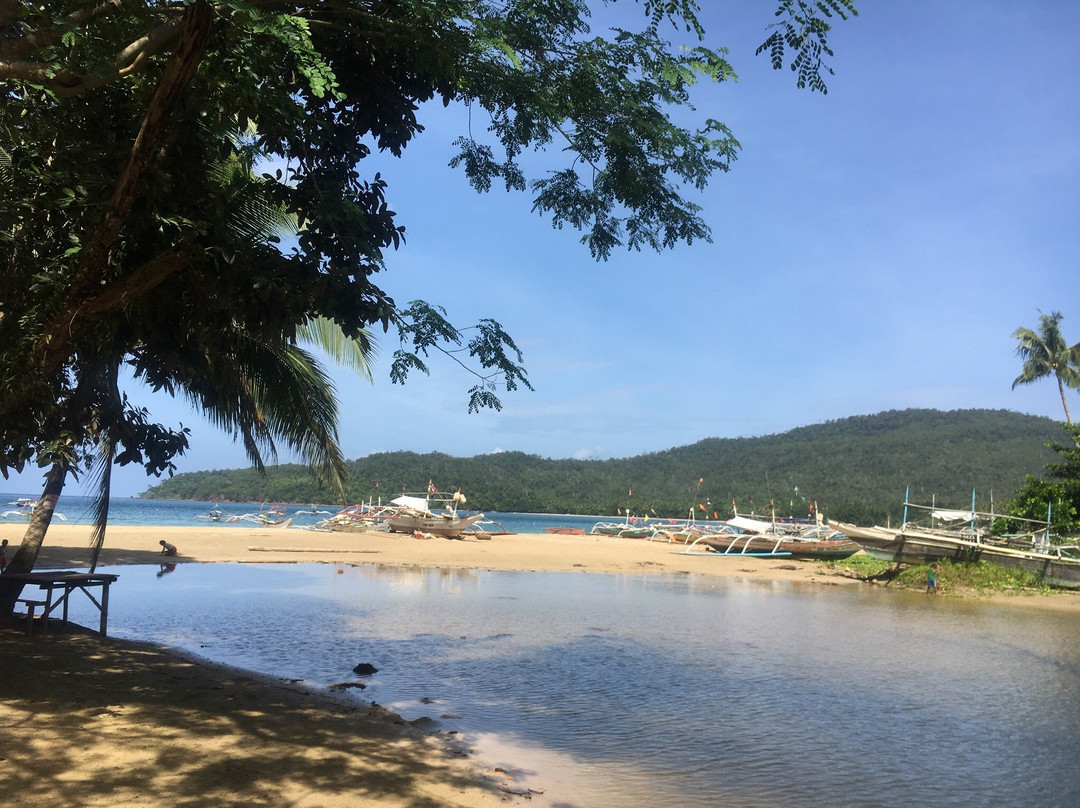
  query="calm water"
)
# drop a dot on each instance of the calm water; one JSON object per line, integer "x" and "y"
{"x": 674, "y": 691}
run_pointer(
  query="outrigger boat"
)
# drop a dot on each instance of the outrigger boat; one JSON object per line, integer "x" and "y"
{"x": 24, "y": 507}
{"x": 356, "y": 519}
{"x": 753, "y": 544}
{"x": 625, "y": 530}
{"x": 798, "y": 539}
{"x": 1056, "y": 565}
{"x": 432, "y": 513}
{"x": 271, "y": 516}
{"x": 314, "y": 511}
{"x": 215, "y": 514}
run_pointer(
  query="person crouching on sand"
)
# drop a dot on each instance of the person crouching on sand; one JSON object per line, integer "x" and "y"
{"x": 168, "y": 549}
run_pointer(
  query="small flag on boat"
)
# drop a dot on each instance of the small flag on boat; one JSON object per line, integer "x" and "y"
{"x": 431, "y": 487}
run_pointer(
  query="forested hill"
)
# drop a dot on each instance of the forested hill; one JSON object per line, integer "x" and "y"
{"x": 855, "y": 468}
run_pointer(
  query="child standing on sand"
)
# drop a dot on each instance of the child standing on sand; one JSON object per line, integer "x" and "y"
{"x": 3, "y": 554}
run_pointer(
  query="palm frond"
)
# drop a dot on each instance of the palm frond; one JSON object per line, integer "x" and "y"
{"x": 102, "y": 475}
{"x": 264, "y": 392}
{"x": 353, "y": 354}
{"x": 298, "y": 401}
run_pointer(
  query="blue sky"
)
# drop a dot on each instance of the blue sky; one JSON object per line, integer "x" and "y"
{"x": 874, "y": 249}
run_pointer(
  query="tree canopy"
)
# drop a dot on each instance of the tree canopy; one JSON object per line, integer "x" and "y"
{"x": 1059, "y": 495}
{"x": 141, "y": 142}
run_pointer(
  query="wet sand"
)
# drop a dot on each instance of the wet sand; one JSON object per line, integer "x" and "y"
{"x": 95, "y": 722}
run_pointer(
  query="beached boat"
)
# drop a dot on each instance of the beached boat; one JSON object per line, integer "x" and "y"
{"x": 751, "y": 544}
{"x": 356, "y": 519}
{"x": 625, "y": 530}
{"x": 565, "y": 531}
{"x": 686, "y": 532}
{"x": 804, "y": 539}
{"x": 1056, "y": 565}
{"x": 432, "y": 513}
{"x": 486, "y": 528}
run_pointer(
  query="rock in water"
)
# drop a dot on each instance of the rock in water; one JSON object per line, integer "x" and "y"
{"x": 365, "y": 669}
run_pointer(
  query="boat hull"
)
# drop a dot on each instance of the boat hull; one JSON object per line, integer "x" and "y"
{"x": 801, "y": 549}
{"x": 447, "y": 527}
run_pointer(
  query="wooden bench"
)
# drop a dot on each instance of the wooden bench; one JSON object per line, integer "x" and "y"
{"x": 31, "y": 607}
{"x": 57, "y": 586}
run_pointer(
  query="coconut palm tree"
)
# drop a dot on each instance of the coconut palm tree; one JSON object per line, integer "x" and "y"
{"x": 1046, "y": 353}
{"x": 260, "y": 392}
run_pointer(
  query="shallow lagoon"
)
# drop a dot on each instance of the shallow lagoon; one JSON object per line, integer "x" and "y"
{"x": 656, "y": 690}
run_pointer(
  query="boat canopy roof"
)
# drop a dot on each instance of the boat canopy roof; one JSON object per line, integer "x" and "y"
{"x": 953, "y": 516}
{"x": 749, "y": 525}
{"x": 416, "y": 503}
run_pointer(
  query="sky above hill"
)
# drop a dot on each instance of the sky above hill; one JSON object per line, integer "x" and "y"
{"x": 874, "y": 249}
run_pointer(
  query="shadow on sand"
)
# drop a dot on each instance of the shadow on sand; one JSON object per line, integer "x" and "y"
{"x": 95, "y": 721}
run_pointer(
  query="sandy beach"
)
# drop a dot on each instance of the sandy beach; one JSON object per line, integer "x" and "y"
{"x": 94, "y": 722}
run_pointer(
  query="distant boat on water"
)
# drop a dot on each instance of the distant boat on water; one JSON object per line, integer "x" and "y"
{"x": 24, "y": 508}
{"x": 268, "y": 516}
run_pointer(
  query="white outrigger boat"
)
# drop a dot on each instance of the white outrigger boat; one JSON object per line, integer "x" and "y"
{"x": 272, "y": 516}
{"x": 24, "y": 508}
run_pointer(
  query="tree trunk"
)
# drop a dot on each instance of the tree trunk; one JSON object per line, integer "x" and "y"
{"x": 34, "y": 537}
{"x": 1064, "y": 403}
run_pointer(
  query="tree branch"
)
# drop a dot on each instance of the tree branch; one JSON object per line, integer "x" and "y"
{"x": 36, "y": 40}
{"x": 96, "y": 255}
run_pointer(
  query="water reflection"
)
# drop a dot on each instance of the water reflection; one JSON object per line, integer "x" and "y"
{"x": 677, "y": 690}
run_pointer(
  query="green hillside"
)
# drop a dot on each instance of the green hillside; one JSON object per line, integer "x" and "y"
{"x": 855, "y": 468}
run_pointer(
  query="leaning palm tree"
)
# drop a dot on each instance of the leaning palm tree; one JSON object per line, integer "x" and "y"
{"x": 261, "y": 392}
{"x": 1046, "y": 353}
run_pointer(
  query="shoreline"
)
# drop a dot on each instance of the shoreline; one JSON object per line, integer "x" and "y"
{"x": 66, "y": 547}
{"x": 95, "y": 721}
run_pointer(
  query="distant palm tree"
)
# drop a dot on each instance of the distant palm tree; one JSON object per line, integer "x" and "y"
{"x": 1047, "y": 354}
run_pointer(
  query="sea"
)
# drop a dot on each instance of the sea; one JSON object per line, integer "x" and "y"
{"x": 162, "y": 512}
{"x": 626, "y": 690}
